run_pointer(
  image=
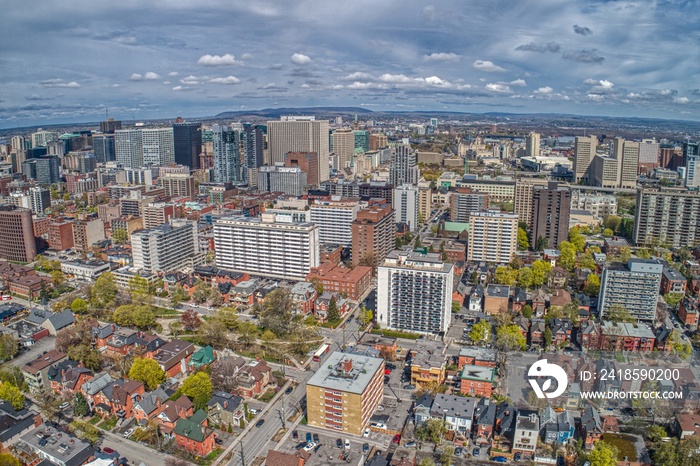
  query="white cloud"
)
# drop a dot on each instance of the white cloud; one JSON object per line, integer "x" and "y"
{"x": 151, "y": 76}
{"x": 363, "y": 85}
{"x": 305, "y": 86}
{"x": 217, "y": 60}
{"x": 395, "y": 78}
{"x": 60, "y": 83}
{"x": 226, "y": 80}
{"x": 441, "y": 56}
{"x": 357, "y": 75}
{"x": 136, "y": 77}
{"x": 246, "y": 56}
{"x": 603, "y": 84}
{"x": 681, "y": 100}
{"x": 182, "y": 88}
{"x": 300, "y": 59}
{"x": 190, "y": 80}
{"x": 544, "y": 90}
{"x": 487, "y": 66}
{"x": 435, "y": 81}
{"x": 518, "y": 82}
{"x": 596, "y": 97}
{"x": 499, "y": 87}
{"x": 173, "y": 74}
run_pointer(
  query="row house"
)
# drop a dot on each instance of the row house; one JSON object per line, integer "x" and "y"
{"x": 118, "y": 398}
{"x": 476, "y": 356}
{"x": 243, "y": 293}
{"x": 68, "y": 377}
{"x": 174, "y": 356}
{"x": 149, "y": 405}
{"x": 194, "y": 435}
{"x": 672, "y": 281}
{"x": 591, "y": 426}
{"x": 537, "y": 328}
{"x": 172, "y": 411}
{"x": 610, "y": 336}
{"x": 561, "y": 331}
{"x": 456, "y": 411}
{"x": 484, "y": 421}
{"x": 36, "y": 371}
{"x": 323, "y": 302}
{"x": 527, "y": 430}
{"x": 523, "y": 324}
{"x": 558, "y": 427}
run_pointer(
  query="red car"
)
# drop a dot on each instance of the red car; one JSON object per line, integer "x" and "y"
{"x": 397, "y": 438}
{"x": 108, "y": 450}
{"x": 387, "y": 372}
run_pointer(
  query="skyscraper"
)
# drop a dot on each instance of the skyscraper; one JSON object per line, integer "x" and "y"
{"x": 493, "y": 237}
{"x": 406, "y": 205}
{"x": 103, "y": 146}
{"x": 227, "y": 157}
{"x": 334, "y": 219}
{"x": 551, "y": 207}
{"x": 128, "y": 147}
{"x": 110, "y": 126}
{"x": 464, "y": 201}
{"x": 404, "y": 168}
{"x": 252, "y": 147}
{"x": 524, "y": 187}
{"x": 289, "y": 180}
{"x": 165, "y": 247}
{"x": 627, "y": 155}
{"x": 584, "y": 152}
{"x": 343, "y": 146}
{"x": 532, "y": 145}
{"x": 692, "y": 172}
{"x": 300, "y": 134}
{"x": 187, "y": 143}
{"x": 17, "y": 233}
{"x": 158, "y": 148}
{"x": 45, "y": 170}
{"x": 373, "y": 235}
{"x": 670, "y": 216}
{"x": 634, "y": 285}
{"x": 307, "y": 162}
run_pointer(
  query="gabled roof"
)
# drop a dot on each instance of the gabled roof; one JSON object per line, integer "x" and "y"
{"x": 62, "y": 319}
{"x": 149, "y": 401}
{"x": 38, "y": 316}
{"x": 590, "y": 419}
{"x": 192, "y": 427}
{"x": 426, "y": 400}
{"x": 97, "y": 383}
{"x": 225, "y": 401}
{"x": 203, "y": 357}
{"x": 485, "y": 412}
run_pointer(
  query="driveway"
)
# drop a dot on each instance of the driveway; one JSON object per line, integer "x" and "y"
{"x": 33, "y": 352}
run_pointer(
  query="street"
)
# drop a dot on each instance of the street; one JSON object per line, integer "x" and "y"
{"x": 135, "y": 452}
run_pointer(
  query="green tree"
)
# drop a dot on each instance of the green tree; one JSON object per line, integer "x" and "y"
{"x": 366, "y": 316}
{"x": 673, "y": 299}
{"x": 6, "y": 459}
{"x": 540, "y": 272}
{"x": 198, "y": 388}
{"x": 89, "y": 356}
{"x": 227, "y": 316}
{"x": 523, "y": 242}
{"x": 104, "y": 291}
{"x": 577, "y": 239}
{"x": 426, "y": 461}
{"x": 148, "y": 371}
{"x": 585, "y": 261}
{"x": 79, "y": 306}
{"x": 608, "y": 233}
{"x": 432, "y": 430}
{"x": 48, "y": 403}
{"x": 133, "y": 315}
{"x": 178, "y": 295}
{"x": 593, "y": 249}
{"x": 13, "y": 375}
{"x": 85, "y": 430}
{"x": 509, "y": 338}
{"x": 655, "y": 433}
{"x": 247, "y": 333}
{"x": 525, "y": 277}
{"x": 567, "y": 255}
{"x": 9, "y": 347}
{"x": 80, "y": 405}
{"x": 456, "y": 306}
{"x": 505, "y": 275}
{"x": 138, "y": 287}
{"x": 120, "y": 236}
{"x": 612, "y": 222}
{"x": 592, "y": 286}
{"x": 202, "y": 293}
{"x": 213, "y": 333}
{"x": 527, "y": 311}
{"x": 618, "y": 313}
{"x": 333, "y": 315}
{"x": 626, "y": 253}
{"x": 175, "y": 328}
{"x": 481, "y": 332}
{"x": 445, "y": 456}
{"x": 318, "y": 285}
{"x": 603, "y": 454}
{"x": 57, "y": 278}
{"x": 666, "y": 454}
{"x": 547, "y": 337}
{"x": 12, "y": 394}
{"x": 277, "y": 314}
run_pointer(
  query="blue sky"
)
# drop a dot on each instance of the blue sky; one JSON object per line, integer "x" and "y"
{"x": 66, "y": 61}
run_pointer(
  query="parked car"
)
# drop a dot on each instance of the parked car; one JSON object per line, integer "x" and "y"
{"x": 295, "y": 435}
{"x": 301, "y": 445}
{"x": 316, "y": 439}
{"x": 339, "y": 443}
{"x": 366, "y": 432}
{"x": 218, "y": 441}
{"x": 391, "y": 366}
{"x": 499, "y": 459}
{"x": 458, "y": 451}
{"x": 409, "y": 387}
{"x": 397, "y": 438}
{"x": 475, "y": 452}
{"x": 309, "y": 446}
{"x": 288, "y": 390}
{"x": 518, "y": 456}
{"x": 410, "y": 444}
{"x": 317, "y": 447}
{"x": 365, "y": 447}
{"x": 309, "y": 439}
{"x": 260, "y": 423}
{"x": 63, "y": 405}
{"x": 347, "y": 444}
{"x": 108, "y": 450}
{"x": 128, "y": 433}
{"x": 387, "y": 371}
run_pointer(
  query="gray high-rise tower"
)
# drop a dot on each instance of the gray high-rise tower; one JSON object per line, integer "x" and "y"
{"x": 404, "y": 168}
{"x": 227, "y": 156}
{"x": 187, "y": 143}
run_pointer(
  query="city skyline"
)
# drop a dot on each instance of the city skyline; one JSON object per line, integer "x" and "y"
{"x": 69, "y": 62}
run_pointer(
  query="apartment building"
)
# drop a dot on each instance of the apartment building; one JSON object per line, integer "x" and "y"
{"x": 351, "y": 282}
{"x": 634, "y": 285}
{"x": 344, "y": 392}
{"x": 334, "y": 219}
{"x": 300, "y": 134}
{"x": 178, "y": 185}
{"x": 465, "y": 201}
{"x": 493, "y": 237}
{"x": 166, "y": 247}
{"x": 584, "y": 152}
{"x": 17, "y": 233}
{"x": 425, "y": 200}
{"x": 499, "y": 190}
{"x": 406, "y": 205}
{"x": 669, "y": 216}
{"x": 373, "y": 235}
{"x": 87, "y": 232}
{"x": 156, "y": 214}
{"x": 551, "y": 208}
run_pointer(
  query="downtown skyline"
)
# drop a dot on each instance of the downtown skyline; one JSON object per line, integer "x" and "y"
{"x": 71, "y": 61}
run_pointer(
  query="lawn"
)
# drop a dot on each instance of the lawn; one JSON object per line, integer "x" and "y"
{"x": 95, "y": 419}
{"x": 396, "y": 334}
{"x": 624, "y": 443}
{"x": 165, "y": 312}
{"x": 109, "y": 424}
{"x": 209, "y": 459}
{"x": 267, "y": 396}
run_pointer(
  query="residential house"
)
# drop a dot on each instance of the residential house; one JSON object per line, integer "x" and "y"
{"x": 120, "y": 342}
{"x": 519, "y": 300}
{"x": 201, "y": 359}
{"x": 36, "y": 371}
{"x": 171, "y": 412}
{"x": 428, "y": 362}
{"x": 403, "y": 457}
{"x": 688, "y": 311}
{"x": 557, "y": 427}
{"x": 383, "y": 344}
{"x": 253, "y": 378}
{"x": 559, "y": 299}
{"x": 484, "y": 420}
{"x": 243, "y": 294}
{"x": 476, "y": 380}
{"x": 193, "y": 435}
{"x": 68, "y": 376}
{"x": 421, "y": 410}
{"x": 101, "y": 334}
{"x": 456, "y": 411}
{"x": 672, "y": 281}
{"x": 303, "y": 295}
{"x": 149, "y": 405}
{"x": 14, "y": 423}
{"x": 92, "y": 389}
{"x": 496, "y": 299}
{"x": 557, "y": 278}
{"x": 664, "y": 340}
{"x": 55, "y": 447}
{"x": 686, "y": 425}
{"x": 121, "y": 396}
{"x": 174, "y": 356}
{"x": 591, "y": 426}
{"x": 59, "y": 322}
{"x": 537, "y": 327}
{"x": 476, "y": 299}
{"x": 323, "y": 302}
{"x": 504, "y": 427}
{"x": 527, "y": 430}
{"x": 476, "y": 356}
{"x": 523, "y": 324}
{"x": 561, "y": 331}
{"x": 225, "y": 409}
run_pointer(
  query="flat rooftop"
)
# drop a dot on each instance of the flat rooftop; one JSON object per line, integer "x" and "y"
{"x": 345, "y": 372}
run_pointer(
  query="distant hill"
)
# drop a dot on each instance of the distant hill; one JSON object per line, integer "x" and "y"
{"x": 277, "y": 112}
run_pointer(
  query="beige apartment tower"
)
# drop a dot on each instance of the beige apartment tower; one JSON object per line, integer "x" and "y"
{"x": 493, "y": 237}
{"x": 584, "y": 152}
{"x": 299, "y": 134}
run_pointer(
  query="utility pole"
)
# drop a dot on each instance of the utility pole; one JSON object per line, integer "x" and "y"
{"x": 242, "y": 456}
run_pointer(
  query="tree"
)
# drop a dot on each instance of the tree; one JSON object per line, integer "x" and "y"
{"x": 585, "y": 261}
{"x": 148, "y": 371}
{"x": 202, "y": 294}
{"x": 547, "y": 337}
{"x": 120, "y": 235}
{"x": 190, "y": 320}
{"x": 673, "y": 299}
{"x": 48, "y": 403}
{"x": 608, "y": 233}
{"x": 577, "y": 239}
{"x": 509, "y": 338}
{"x": 138, "y": 287}
{"x": 90, "y": 357}
{"x": 618, "y": 313}
{"x": 432, "y": 430}
{"x": 541, "y": 243}
{"x": 278, "y": 313}
{"x": 603, "y": 454}
{"x": 505, "y": 275}
{"x": 612, "y": 222}
{"x": 13, "y": 375}
{"x": 212, "y": 332}
{"x": 567, "y": 255}
{"x": 6, "y": 459}
{"x": 366, "y": 316}
{"x": 540, "y": 272}
{"x": 593, "y": 249}
{"x": 80, "y": 405}
{"x": 9, "y": 347}
{"x": 626, "y": 253}
{"x": 426, "y": 461}
{"x": 175, "y": 328}
{"x": 525, "y": 277}
{"x": 198, "y": 388}
{"x": 133, "y": 315}
{"x": 57, "y": 278}
{"x": 178, "y": 295}
{"x": 527, "y": 311}
{"x": 318, "y": 286}
{"x": 247, "y": 333}
{"x": 592, "y": 286}
{"x": 79, "y": 306}
{"x": 481, "y": 332}
{"x": 446, "y": 455}
{"x": 12, "y": 394}
{"x": 456, "y": 306}
{"x": 104, "y": 291}
{"x": 228, "y": 316}
{"x": 523, "y": 242}
{"x": 333, "y": 315}
{"x": 86, "y": 431}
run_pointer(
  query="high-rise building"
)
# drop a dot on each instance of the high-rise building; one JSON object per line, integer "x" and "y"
{"x": 307, "y": 162}
{"x": 414, "y": 292}
{"x": 253, "y": 147}
{"x": 178, "y": 185}
{"x": 187, "y": 143}
{"x": 344, "y": 392}
{"x": 464, "y": 201}
{"x": 626, "y": 153}
{"x": 42, "y": 138}
{"x": 39, "y": 199}
{"x": 103, "y": 146}
{"x": 300, "y": 134}
{"x": 692, "y": 172}
{"x": 138, "y": 176}
{"x": 227, "y": 156}
{"x": 690, "y": 149}
{"x": 648, "y": 155}
{"x": 343, "y": 146}
{"x": 334, "y": 219}
{"x": 128, "y": 147}
{"x": 158, "y": 213}
{"x": 362, "y": 140}
{"x": 289, "y": 180}
{"x": 158, "y": 146}
{"x": 532, "y": 145}
{"x": 493, "y": 237}
{"x": 584, "y": 152}
{"x": 425, "y": 200}
{"x": 634, "y": 286}
{"x": 373, "y": 235}
{"x": 166, "y": 247}
{"x": 667, "y": 216}
{"x": 264, "y": 246}
{"x": 110, "y": 126}
{"x": 551, "y": 208}
{"x": 378, "y": 141}
{"x": 406, "y": 205}
{"x": 45, "y": 170}
{"x": 404, "y": 168}
{"x": 60, "y": 235}
{"x": 17, "y": 232}
{"x": 18, "y": 143}
{"x": 524, "y": 187}
{"x": 87, "y": 232}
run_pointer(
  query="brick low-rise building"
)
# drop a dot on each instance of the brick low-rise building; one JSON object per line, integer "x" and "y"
{"x": 476, "y": 380}
{"x": 351, "y": 282}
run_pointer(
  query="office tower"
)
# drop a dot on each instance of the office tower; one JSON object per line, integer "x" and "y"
{"x": 18, "y": 143}
{"x": 551, "y": 207}
{"x": 334, "y": 219}
{"x": 103, "y": 146}
{"x": 138, "y": 176}
{"x": 158, "y": 146}
{"x": 41, "y": 138}
{"x": 378, "y": 141}
{"x": 44, "y": 170}
{"x": 406, "y": 205}
{"x": 158, "y": 213}
{"x": 584, "y": 152}
{"x": 166, "y": 247}
{"x": 128, "y": 147}
{"x": 289, "y": 180}
{"x": 60, "y": 235}
{"x": 299, "y": 134}
{"x": 87, "y": 232}
{"x": 17, "y": 232}
{"x": 109, "y": 126}
{"x": 307, "y": 162}
{"x": 690, "y": 149}
{"x": 373, "y": 235}
{"x": 524, "y": 186}
{"x": 227, "y": 156}
{"x": 532, "y": 145}
{"x": 464, "y": 201}
{"x": 667, "y": 216}
{"x": 634, "y": 286}
{"x": 187, "y": 143}
{"x": 626, "y": 155}
{"x": 414, "y": 292}
{"x": 648, "y": 155}
{"x": 264, "y": 246}
{"x": 493, "y": 237}
{"x": 178, "y": 185}
{"x": 362, "y": 140}
{"x": 692, "y": 172}
{"x": 253, "y": 146}
{"x": 404, "y": 169}
{"x": 425, "y": 200}
{"x": 343, "y": 146}
{"x": 344, "y": 392}
{"x": 39, "y": 199}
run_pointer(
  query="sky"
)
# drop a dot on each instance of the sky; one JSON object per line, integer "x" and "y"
{"x": 70, "y": 60}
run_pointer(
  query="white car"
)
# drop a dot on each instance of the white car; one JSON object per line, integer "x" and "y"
{"x": 366, "y": 432}
{"x": 128, "y": 433}
{"x": 309, "y": 446}
{"x": 347, "y": 444}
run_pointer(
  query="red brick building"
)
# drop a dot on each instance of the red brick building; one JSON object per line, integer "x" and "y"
{"x": 351, "y": 282}
{"x": 688, "y": 311}
{"x": 193, "y": 435}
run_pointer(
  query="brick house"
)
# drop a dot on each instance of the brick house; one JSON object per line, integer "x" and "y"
{"x": 537, "y": 327}
{"x": 225, "y": 409}
{"x": 193, "y": 435}
{"x": 174, "y": 356}
{"x": 122, "y": 395}
{"x": 496, "y": 299}
{"x": 476, "y": 380}
{"x": 36, "y": 371}
{"x": 561, "y": 331}
{"x": 591, "y": 427}
{"x": 476, "y": 356}
{"x": 672, "y": 281}
{"x": 323, "y": 302}
{"x": 303, "y": 296}
{"x": 253, "y": 378}
{"x": 149, "y": 405}
{"x": 688, "y": 311}
{"x": 353, "y": 283}
{"x": 484, "y": 421}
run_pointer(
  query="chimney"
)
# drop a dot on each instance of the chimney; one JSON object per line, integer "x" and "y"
{"x": 347, "y": 365}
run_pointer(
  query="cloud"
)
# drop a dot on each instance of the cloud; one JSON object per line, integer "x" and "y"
{"x": 441, "y": 56}
{"x": 356, "y": 76}
{"x": 681, "y": 100}
{"x": 395, "y": 78}
{"x": 532, "y": 47}
{"x": 246, "y": 56}
{"x": 136, "y": 77}
{"x": 190, "y": 80}
{"x": 151, "y": 76}
{"x": 596, "y": 97}
{"x": 37, "y": 97}
{"x": 60, "y": 83}
{"x": 300, "y": 59}
{"x": 226, "y": 80}
{"x": 544, "y": 90}
{"x": 583, "y": 56}
{"x": 217, "y": 60}
{"x": 518, "y": 82}
{"x": 182, "y": 88}
{"x": 357, "y": 85}
{"x": 173, "y": 74}
{"x": 582, "y": 30}
{"x": 499, "y": 88}
{"x": 487, "y": 66}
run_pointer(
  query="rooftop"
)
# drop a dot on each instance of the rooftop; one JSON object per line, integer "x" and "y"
{"x": 71, "y": 451}
{"x": 346, "y": 372}
{"x": 428, "y": 354}
{"x": 472, "y": 372}
{"x": 453, "y": 405}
